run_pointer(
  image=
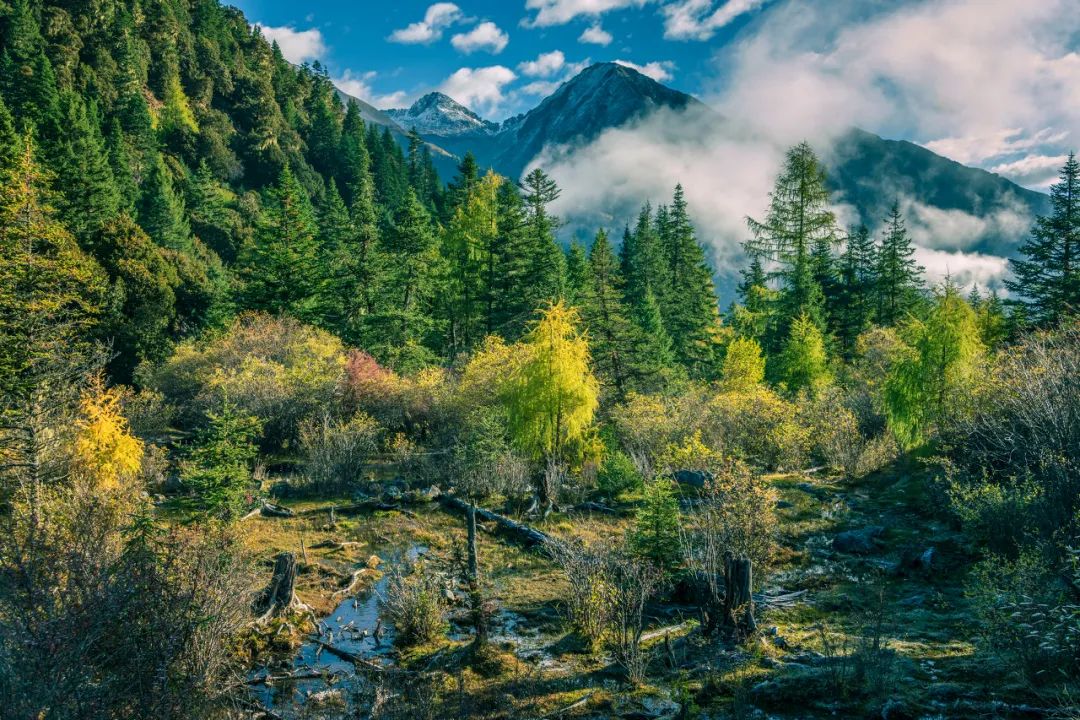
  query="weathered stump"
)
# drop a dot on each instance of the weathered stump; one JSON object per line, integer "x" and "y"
{"x": 279, "y": 596}
{"x": 738, "y": 612}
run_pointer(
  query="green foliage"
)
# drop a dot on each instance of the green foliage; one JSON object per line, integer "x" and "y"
{"x": 897, "y": 277}
{"x": 413, "y": 604}
{"x": 935, "y": 378}
{"x": 804, "y": 365}
{"x": 1049, "y": 275}
{"x": 656, "y": 526}
{"x": 218, "y": 468}
{"x": 617, "y": 475}
{"x": 744, "y": 366}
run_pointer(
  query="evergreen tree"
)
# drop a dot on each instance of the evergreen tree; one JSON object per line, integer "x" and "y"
{"x": 577, "y": 269}
{"x": 325, "y": 135}
{"x": 9, "y": 142}
{"x": 280, "y": 267}
{"x": 657, "y": 525}
{"x": 91, "y": 197}
{"x": 641, "y": 258}
{"x": 212, "y": 218}
{"x": 512, "y": 300}
{"x": 754, "y": 315}
{"x": 855, "y": 290}
{"x": 219, "y": 467}
{"x": 469, "y": 246}
{"x": 612, "y": 334}
{"x": 687, "y": 297}
{"x": 744, "y": 366}
{"x": 161, "y": 210}
{"x": 468, "y": 173}
{"x": 405, "y": 320}
{"x": 1049, "y": 275}
{"x": 354, "y": 163}
{"x": 546, "y": 262}
{"x": 359, "y": 267}
{"x": 657, "y": 346}
{"x": 898, "y": 277}
{"x": 799, "y": 219}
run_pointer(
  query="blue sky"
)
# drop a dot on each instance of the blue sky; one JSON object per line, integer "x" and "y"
{"x": 502, "y": 56}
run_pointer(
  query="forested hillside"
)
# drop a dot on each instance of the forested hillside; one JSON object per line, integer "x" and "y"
{"x": 290, "y": 426}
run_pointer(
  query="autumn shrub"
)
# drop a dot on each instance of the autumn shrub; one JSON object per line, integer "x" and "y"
{"x": 586, "y": 604}
{"x": 757, "y": 425}
{"x": 335, "y": 451}
{"x": 645, "y": 426}
{"x": 416, "y": 405}
{"x": 274, "y": 368}
{"x": 837, "y": 440}
{"x": 414, "y": 605}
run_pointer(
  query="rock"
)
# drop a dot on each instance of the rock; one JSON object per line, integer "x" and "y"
{"x": 392, "y": 492}
{"x": 693, "y": 478}
{"x": 859, "y": 542}
{"x": 646, "y": 708}
{"x": 449, "y": 595}
{"x": 374, "y": 562}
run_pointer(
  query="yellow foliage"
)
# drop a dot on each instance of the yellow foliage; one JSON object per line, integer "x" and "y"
{"x": 106, "y": 453}
{"x": 692, "y": 454}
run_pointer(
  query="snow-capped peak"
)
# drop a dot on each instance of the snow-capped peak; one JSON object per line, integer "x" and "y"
{"x": 439, "y": 114}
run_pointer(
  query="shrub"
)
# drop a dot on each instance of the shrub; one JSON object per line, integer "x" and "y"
{"x": 335, "y": 450}
{"x": 757, "y": 425}
{"x": 617, "y": 474}
{"x": 274, "y": 368}
{"x": 645, "y": 425}
{"x": 744, "y": 365}
{"x": 417, "y": 405}
{"x": 586, "y": 604}
{"x": 837, "y": 439}
{"x": 414, "y": 605}
{"x": 1016, "y": 456}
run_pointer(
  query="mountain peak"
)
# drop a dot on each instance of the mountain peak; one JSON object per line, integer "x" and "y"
{"x": 442, "y": 115}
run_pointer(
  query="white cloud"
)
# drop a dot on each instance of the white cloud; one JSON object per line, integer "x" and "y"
{"x": 297, "y": 46}
{"x": 540, "y": 88}
{"x": 485, "y": 36}
{"x": 596, "y": 35}
{"x": 659, "y": 70}
{"x": 437, "y": 18}
{"x": 359, "y": 86}
{"x": 560, "y": 12}
{"x": 963, "y": 269}
{"x": 974, "y": 80}
{"x": 1033, "y": 170}
{"x": 700, "y": 19}
{"x": 479, "y": 88}
{"x": 957, "y": 230}
{"x": 545, "y": 65}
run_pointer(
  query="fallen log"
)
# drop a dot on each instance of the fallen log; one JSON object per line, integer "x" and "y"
{"x": 351, "y": 657}
{"x": 530, "y": 536}
{"x": 572, "y": 706}
{"x": 591, "y": 506}
{"x": 359, "y": 506}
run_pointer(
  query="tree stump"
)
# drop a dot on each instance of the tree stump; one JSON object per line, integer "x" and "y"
{"x": 279, "y": 597}
{"x": 738, "y": 613}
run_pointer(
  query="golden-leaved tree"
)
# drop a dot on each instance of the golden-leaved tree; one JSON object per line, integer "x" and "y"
{"x": 552, "y": 396}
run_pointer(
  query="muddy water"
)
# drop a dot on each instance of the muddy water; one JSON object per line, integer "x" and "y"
{"x": 352, "y": 628}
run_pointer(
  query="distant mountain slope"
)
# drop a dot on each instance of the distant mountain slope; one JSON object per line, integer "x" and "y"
{"x": 865, "y": 170}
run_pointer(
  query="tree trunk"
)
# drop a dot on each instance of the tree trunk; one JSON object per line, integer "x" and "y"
{"x": 738, "y": 615}
{"x": 279, "y": 597}
{"x": 476, "y": 599}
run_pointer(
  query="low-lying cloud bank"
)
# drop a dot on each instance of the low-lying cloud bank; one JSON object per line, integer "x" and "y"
{"x": 994, "y": 85}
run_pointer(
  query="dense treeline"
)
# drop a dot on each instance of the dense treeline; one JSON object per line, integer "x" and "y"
{"x": 207, "y": 259}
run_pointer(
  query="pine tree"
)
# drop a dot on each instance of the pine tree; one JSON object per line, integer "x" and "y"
{"x": 744, "y": 366}
{"x": 687, "y": 297}
{"x": 897, "y": 276}
{"x": 754, "y": 315}
{"x": 280, "y": 267}
{"x": 614, "y": 337}
{"x": 325, "y": 134}
{"x": 468, "y": 173}
{"x": 212, "y": 218}
{"x": 161, "y": 210}
{"x": 1049, "y": 275}
{"x": 360, "y": 268}
{"x": 856, "y": 289}
{"x": 9, "y": 143}
{"x": 641, "y": 258}
{"x": 657, "y": 346}
{"x": 577, "y": 268}
{"x": 656, "y": 527}
{"x": 220, "y": 464}
{"x": 469, "y": 246}
{"x": 546, "y": 268}
{"x": 405, "y": 311}
{"x": 354, "y": 163}
{"x": 511, "y": 305}
{"x": 799, "y": 218}
{"x": 91, "y": 197}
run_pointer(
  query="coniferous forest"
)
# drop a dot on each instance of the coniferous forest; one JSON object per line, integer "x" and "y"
{"x": 293, "y": 427}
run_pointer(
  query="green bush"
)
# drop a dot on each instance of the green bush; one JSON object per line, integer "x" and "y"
{"x": 414, "y": 605}
{"x": 617, "y": 474}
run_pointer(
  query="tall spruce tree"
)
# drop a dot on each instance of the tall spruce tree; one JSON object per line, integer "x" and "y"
{"x": 546, "y": 260}
{"x": 280, "y": 267}
{"x": 1048, "y": 277}
{"x": 161, "y": 210}
{"x": 686, "y": 294}
{"x": 799, "y": 219}
{"x": 897, "y": 276}
{"x": 856, "y": 289}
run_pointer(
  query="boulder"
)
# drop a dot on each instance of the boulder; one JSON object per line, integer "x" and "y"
{"x": 693, "y": 478}
{"x": 859, "y": 542}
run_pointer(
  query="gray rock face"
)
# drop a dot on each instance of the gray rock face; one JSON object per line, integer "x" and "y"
{"x": 441, "y": 115}
{"x": 693, "y": 478}
{"x": 859, "y": 542}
